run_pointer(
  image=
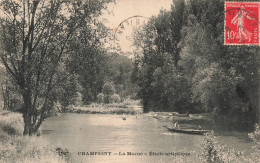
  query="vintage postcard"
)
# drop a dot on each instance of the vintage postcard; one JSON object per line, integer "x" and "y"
{"x": 129, "y": 81}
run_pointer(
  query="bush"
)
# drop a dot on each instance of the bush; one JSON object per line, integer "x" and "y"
{"x": 77, "y": 100}
{"x": 57, "y": 109}
{"x": 131, "y": 102}
{"x": 69, "y": 108}
{"x": 108, "y": 90}
{"x": 214, "y": 151}
{"x": 115, "y": 98}
{"x": 28, "y": 149}
{"x": 255, "y": 136}
{"x": 25, "y": 149}
{"x": 12, "y": 123}
{"x": 100, "y": 98}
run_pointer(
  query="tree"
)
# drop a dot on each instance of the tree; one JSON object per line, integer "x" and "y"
{"x": 90, "y": 55}
{"x": 156, "y": 70}
{"x": 223, "y": 79}
{"x": 182, "y": 65}
{"x": 34, "y": 40}
{"x": 119, "y": 70}
{"x": 108, "y": 90}
{"x": 100, "y": 98}
{"x": 115, "y": 98}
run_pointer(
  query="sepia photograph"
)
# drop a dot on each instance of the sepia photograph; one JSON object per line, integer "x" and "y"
{"x": 129, "y": 81}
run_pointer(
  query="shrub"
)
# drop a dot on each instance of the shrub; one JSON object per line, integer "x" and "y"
{"x": 28, "y": 149}
{"x": 214, "y": 151}
{"x": 115, "y": 98}
{"x": 100, "y": 98}
{"x": 12, "y": 123}
{"x": 129, "y": 101}
{"x": 57, "y": 108}
{"x": 70, "y": 108}
{"x": 77, "y": 100}
{"x": 255, "y": 136}
{"x": 25, "y": 149}
{"x": 108, "y": 90}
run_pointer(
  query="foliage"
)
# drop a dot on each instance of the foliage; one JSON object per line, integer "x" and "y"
{"x": 115, "y": 98}
{"x": 68, "y": 91}
{"x": 163, "y": 87}
{"x": 182, "y": 65}
{"x": 100, "y": 98}
{"x": 108, "y": 90}
{"x": 255, "y": 136}
{"x": 11, "y": 123}
{"x": 12, "y": 100}
{"x": 36, "y": 38}
{"x": 132, "y": 102}
{"x": 214, "y": 151}
{"x": 17, "y": 148}
{"x": 217, "y": 79}
{"x": 119, "y": 70}
{"x": 28, "y": 149}
{"x": 88, "y": 59}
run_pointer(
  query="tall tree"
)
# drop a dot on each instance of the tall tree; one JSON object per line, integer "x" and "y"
{"x": 161, "y": 83}
{"x": 34, "y": 38}
{"x": 90, "y": 55}
{"x": 224, "y": 79}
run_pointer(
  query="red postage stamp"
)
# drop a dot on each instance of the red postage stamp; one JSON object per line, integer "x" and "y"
{"x": 241, "y": 23}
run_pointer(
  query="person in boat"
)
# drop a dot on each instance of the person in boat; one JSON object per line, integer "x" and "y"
{"x": 199, "y": 128}
{"x": 176, "y": 125}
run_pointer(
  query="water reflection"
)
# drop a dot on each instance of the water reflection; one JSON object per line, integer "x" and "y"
{"x": 110, "y": 133}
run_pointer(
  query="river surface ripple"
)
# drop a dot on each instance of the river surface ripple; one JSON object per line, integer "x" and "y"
{"x": 138, "y": 134}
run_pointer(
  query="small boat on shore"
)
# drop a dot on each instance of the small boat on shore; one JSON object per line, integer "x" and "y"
{"x": 187, "y": 131}
{"x": 176, "y": 114}
{"x": 183, "y": 115}
{"x": 155, "y": 116}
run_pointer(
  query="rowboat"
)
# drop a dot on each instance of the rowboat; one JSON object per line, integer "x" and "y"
{"x": 179, "y": 115}
{"x": 187, "y": 131}
{"x": 182, "y": 115}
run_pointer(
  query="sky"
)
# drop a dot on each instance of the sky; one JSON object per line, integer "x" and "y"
{"x": 124, "y": 9}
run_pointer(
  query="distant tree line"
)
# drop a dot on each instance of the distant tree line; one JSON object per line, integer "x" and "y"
{"x": 182, "y": 64}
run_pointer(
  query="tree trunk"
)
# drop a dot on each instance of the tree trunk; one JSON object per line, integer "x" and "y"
{"x": 27, "y": 113}
{"x": 27, "y": 124}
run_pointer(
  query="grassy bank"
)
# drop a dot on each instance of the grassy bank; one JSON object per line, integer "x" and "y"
{"x": 17, "y": 148}
{"x": 25, "y": 149}
{"x": 115, "y": 108}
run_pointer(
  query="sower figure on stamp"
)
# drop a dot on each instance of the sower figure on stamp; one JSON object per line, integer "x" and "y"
{"x": 243, "y": 34}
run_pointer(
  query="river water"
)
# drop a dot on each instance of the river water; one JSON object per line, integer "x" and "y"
{"x": 141, "y": 134}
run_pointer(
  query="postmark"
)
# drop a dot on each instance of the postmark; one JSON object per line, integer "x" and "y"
{"x": 241, "y": 23}
{"x": 123, "y": 32}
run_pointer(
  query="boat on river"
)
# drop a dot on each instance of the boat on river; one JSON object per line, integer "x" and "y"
{"x": 176, "y": 114}
{"x": 187, "y": 131}
{"x": 183, "y": 115}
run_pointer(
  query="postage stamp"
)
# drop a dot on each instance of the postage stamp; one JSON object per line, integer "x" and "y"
{"x": 241, "y": 23}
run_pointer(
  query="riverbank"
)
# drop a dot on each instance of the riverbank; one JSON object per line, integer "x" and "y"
{"x": 17, "y": 148}
{"x": 121, "y": 108}
{"x": 14, "y": 147}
